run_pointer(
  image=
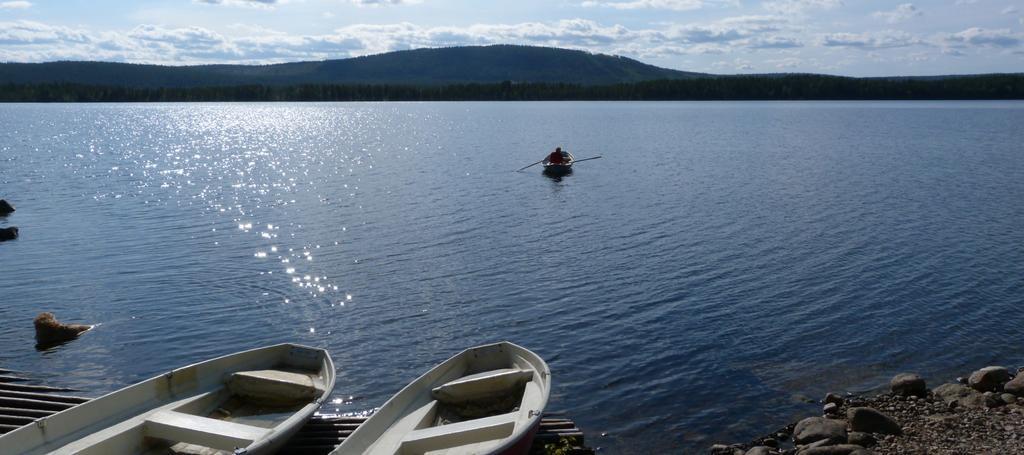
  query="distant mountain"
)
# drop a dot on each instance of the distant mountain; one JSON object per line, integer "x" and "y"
{"x": 440, "y": 66}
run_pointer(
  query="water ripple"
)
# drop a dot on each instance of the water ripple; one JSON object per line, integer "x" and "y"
{"x": 721, "y": 263}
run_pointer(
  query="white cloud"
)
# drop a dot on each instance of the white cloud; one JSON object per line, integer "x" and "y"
{"x": 871, "y": 40}
{"x": 264, "y": 4}
{"x": 916, "y": 57}
{"x": 383, "y": 2}
{"x": 734, "y": 29}
{"x": 31, "y": 41}
{"x": 901, "y": 13}
{"x": 191, "y": 40}
{"x": 987, "y": 38}
{"x": 1009, "y": 10}
{"x": 785, "y": 63}
{"x": 737, "y": 64}
{"x": 15, "y": 5}
{"x": 35, "y": 33}
{"x": 790, "y": 7}
{"x": 774, "y": 41}
{"x": 677, "y": 5}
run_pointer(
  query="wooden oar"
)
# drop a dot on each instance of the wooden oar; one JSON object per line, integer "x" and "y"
{"x": 586, "y": 159}
{"x": 534, "y": 164}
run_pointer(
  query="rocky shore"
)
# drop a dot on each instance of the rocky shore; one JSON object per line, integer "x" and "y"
{"x": 980, "y": 414}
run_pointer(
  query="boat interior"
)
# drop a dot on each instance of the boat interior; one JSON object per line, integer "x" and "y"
{"x": 241, "y": 408}
{"x": 473, "y": 407}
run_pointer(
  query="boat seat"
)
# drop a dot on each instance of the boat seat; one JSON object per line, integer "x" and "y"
{"x": 391, "y": 439}
{"x": 481, "y": 385}
{"x": 218, "y": 434}
{"x": 273, "y": 387}
{"x": 459, "y": 434}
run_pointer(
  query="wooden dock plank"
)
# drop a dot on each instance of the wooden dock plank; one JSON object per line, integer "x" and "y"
{"x": 5, "y": 428}
{"x": 323, "y": 433}
{"x": 24, "y": 403}
{"x": 37, "y": 413}
{"x": 42, "y": 397}
{"x": 32, "y": 388}
{"x": 16, "y": 420}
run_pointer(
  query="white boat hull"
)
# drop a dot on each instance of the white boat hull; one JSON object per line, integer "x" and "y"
{"x": 253, "y": 400}
{"x": 484, "y": 400}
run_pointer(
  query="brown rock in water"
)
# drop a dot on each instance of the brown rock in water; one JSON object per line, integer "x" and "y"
{"x": 722, "y": 449}
{"x": 49, "y": 331}
{"x": 833, "y": 398}
{"x": 8, "y": 233}
{"x": 908, "y": 384}
{"x": 5, "y": 207}
{"x": 989, "y": 379}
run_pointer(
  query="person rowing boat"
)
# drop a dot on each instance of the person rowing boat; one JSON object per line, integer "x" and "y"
{"x": 558, "y": 156}
{"x": 558, "y": 162}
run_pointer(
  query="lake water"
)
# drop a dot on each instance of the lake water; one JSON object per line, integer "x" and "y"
{"x": 720, "y": 264}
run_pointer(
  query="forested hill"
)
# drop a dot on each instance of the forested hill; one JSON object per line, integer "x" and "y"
{"x": 440, "y": 66}
{"x": 770, "y": 87}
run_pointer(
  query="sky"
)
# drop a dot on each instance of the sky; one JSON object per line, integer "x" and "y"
{"x": 844, "y": 37}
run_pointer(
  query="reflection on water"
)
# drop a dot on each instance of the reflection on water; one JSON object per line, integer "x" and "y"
{"x": 557, "y": 175}
{"x": 774, "y": 243}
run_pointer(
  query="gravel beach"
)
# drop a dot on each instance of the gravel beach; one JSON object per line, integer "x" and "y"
{"x": 979, "y": 414}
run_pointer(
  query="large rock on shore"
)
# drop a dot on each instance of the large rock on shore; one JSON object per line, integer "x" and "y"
{"x": 5, "y": 208}
{"x": 960, "y": 394}
{"x": 908, "y": 384}
{"x": 861, "y": 439}
{"x": 989, "y": 379}
{"x": 8, "y": 233}
{"x": 1015, "y": 386}
{"x": 870, "y": 420}
{"x": 813, "y": 429}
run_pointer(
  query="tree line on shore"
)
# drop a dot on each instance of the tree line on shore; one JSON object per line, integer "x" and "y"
{"x": 756, "y": 87}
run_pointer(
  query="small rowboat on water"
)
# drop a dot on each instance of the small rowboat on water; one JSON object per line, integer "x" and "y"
{"x": 562, "y": 168}
{"x": 249, "y": 402}
{"x": 485, "y": 400}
